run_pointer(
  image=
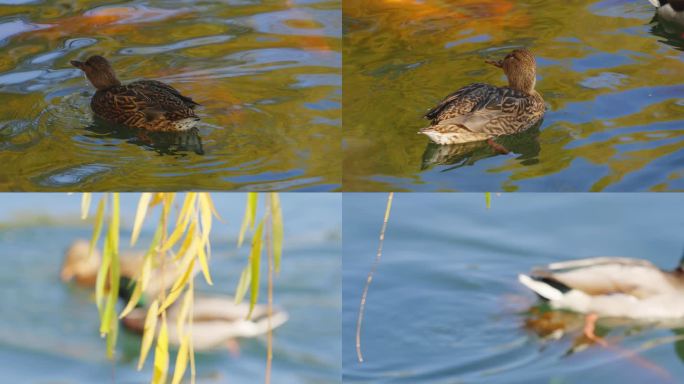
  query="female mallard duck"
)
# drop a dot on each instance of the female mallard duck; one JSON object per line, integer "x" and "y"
{"x": 670, "y": 10}
{"x": 82, "y": 267}
{"x": 145, "y": 104}
{"x": 217, "y": 320}
{"x": 481, "y": 112}
{"x": 611, "y": 287}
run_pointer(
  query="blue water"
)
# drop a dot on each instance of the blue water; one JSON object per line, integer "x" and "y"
{"x": 49, "y": 331}
{"x": 445, "y": 305}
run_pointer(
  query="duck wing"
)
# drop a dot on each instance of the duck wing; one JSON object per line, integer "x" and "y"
{"x": 607, "y": 276}
{"x": 158, "y": 86}
{"x": 463, "y": 101}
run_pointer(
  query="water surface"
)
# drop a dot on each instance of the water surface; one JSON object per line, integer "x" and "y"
{"x": 612, "y": 80}
{"x": 445, "y": 305}
{"x": 267, "y": 74}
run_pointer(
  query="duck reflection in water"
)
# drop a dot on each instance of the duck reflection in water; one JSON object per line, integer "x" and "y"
{"x": 178, "y": 143}
{"x": 525, "y": 144}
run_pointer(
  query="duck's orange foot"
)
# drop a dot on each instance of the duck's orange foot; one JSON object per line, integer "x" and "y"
{"x": 590, "y": 327}
{"x": 233, "y": 347}
{"x": 497, "y": 147}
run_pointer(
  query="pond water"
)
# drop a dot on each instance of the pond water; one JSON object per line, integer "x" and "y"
{"x": 49, "y": 331}
{"x": 445, "y": 305}
{"x": 612, "y": 79}
{"x": 267, "y": 74}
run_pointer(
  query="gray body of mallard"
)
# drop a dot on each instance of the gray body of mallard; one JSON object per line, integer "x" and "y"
{"x": 480, "y": 111}
{"x": 611, "y": 287}
{"x": 670, "y": 10}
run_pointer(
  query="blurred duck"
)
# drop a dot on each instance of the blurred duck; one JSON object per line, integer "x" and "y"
{"x": 145, "y": 104}
{"x": 217, "y": 320}
{"x": 481, "y": 112}
{"x": 81, "y": 267}
{"x": 614, "y": 287}
{"x": 670, "y": 10}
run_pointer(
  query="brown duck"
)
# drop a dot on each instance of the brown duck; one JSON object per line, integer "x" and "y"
{"x": 144, "y": 104}
{"x": 479, "y": 112}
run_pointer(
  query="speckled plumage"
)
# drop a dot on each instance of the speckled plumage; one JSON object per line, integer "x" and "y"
{"x": 145, "y": 104}
{"x": 481, "y": 111}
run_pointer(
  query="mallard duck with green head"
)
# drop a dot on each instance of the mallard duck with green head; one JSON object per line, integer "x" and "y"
{"x": 144, "y": 104}
{"x": 481, "y": 112}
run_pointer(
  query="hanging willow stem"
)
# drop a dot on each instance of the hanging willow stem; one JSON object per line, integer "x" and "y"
{"x": 378, "y": 255}
{"x": 269, "y": 256}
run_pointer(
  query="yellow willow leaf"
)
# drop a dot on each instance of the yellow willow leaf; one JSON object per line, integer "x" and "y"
{"x": 184, "y": 309}
{"x": 114, "y": 223}
{"x": 140, "y": 214}
{"x": 85, "y": 204}
{"x": 178, "y": 286}
{"x": 156, "y": 199}
{"x": 111, "y": 339}
{"x": 140, "y": 286}
{"x": 181, "y": 361}
{"x": 148, "y": 332}
{"x": 203, "y": 262}
{"x": 182, "y": 222}
{"x": 277, "y": 230}
{"x": 102, "y": 276}
{"x": 161, "y": 355}
{"x": 488, "y": 199}
{"x": 187, "y": 242}
{"x": 243, "y": 284}
{"x": 250, "y": 214}
{"x": 205, "y": 215}
{"x": 210, "y": 202}
{"x": 168, "y": 202}
{"x": 108, "y": 316}
{"x": 97, "y": 229}
{"x": 255, "y": 261}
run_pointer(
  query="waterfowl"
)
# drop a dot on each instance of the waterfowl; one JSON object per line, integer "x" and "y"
{"x": 480, "y": 112}
{"x": 145, "y": 104}
{"x": 670, "y": 10}
{"x": 81, "y": 267}
{"x": 217, "y": 320}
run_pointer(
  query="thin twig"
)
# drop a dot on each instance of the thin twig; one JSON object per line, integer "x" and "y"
{"x": 378, "y": 255}
{"x": 269, "y": 256}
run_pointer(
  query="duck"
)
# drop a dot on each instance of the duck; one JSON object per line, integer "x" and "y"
{"x": 670, "y": 10}
{"x": 217, "y": 321}
{"x": 148, "y": 105}
{"x": 610, "y": 287}
{"x": 81, "y": 267}
{"x": 481, "y": 112}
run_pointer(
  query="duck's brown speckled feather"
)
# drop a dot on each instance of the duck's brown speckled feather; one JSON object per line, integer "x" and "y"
{"x": 482, "y": 111}
{"x": 145, "y": 104}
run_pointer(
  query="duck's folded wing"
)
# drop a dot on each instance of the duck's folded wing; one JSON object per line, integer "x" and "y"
{"x": 158, "y": 86}
{"x": 463, "y": 101}
{"x": 608, "y": 276}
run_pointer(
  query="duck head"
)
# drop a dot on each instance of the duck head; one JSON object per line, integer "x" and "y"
{"x": 79, "y": 264}
{"x": 98, "y": 71}
{"x": 520, "y": 69}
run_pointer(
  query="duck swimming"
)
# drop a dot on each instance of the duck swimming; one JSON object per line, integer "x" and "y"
{"x": 480, "y": 112}
{"x": 144, "y": 104}
{"x": 670, "y": 10}
{"x": 615, "y": 287}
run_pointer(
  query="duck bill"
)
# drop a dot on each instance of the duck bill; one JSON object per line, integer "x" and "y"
{"x": 77, "y": 64}
{"x": 498, "y": 64}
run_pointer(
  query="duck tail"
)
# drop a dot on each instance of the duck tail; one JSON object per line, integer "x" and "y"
{"x": 655, "y": 3}
{"x": 541, "y": 288}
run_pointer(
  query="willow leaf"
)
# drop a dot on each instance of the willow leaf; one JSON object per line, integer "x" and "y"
{"x": 488, "y": 199}
{"x": 203, "y": 262}
{"x": 85, "y": 204}
{"x": 243, "y": 284}
{"x": 250, "y": 215}
{"x": 148, "y": 332}
{"x": 182, "y": 223}
{"x": 177, "y": 288}
{"x": 277, "y": 230}
{"x": 181, "y": 361}
{"x": 161, "y": 355}
{"x": 255, "y": 261}
{"x": 99, "y": 220}
{"x": 140, "y": 214}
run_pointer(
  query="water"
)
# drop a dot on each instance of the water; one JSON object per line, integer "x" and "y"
{"x": 445, "y": 305}
{"x": 266, "y": 73}
{"x": 49, "y": 331}
{"x": 612, "y": 81}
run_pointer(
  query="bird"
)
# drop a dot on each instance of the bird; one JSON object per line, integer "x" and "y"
{"x": 481, "y": 112}
{"x": 216, "y": 319}
{"x": 149, "y": 105}
{"x": 610, "y": 287}
{"x": 81, "y": 266}
{"x": 670, "y": 10}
